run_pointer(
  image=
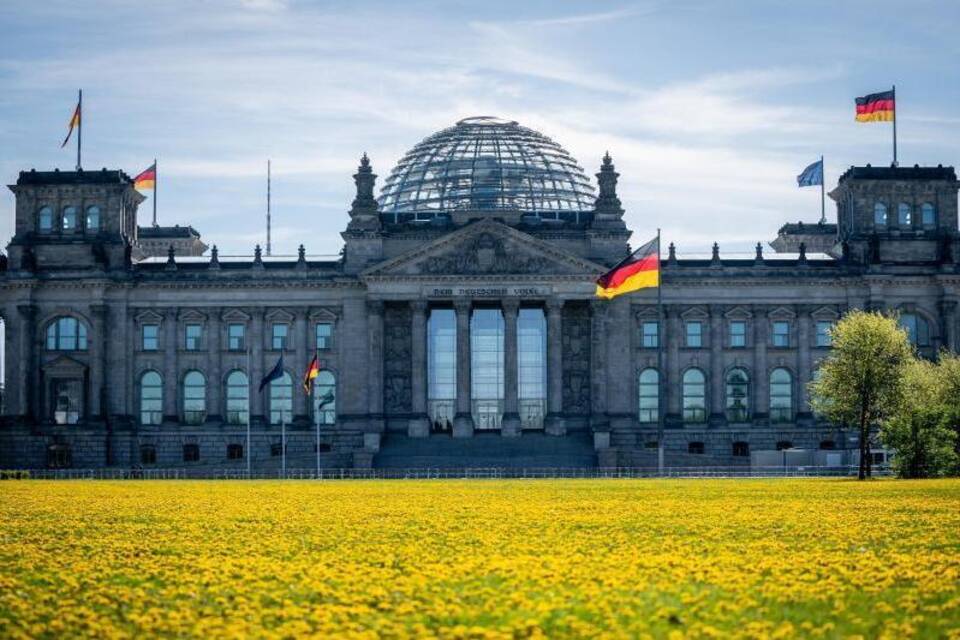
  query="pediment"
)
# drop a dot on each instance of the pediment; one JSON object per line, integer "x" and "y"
{"x": 323, "y": 315}
{"x": 825, "y": 313}
{"x": 236, "y": 315}
{"x": 694, "y": 313}
{"x": 738, "y": 313}
{"x": 63, "y": 366}
{"x": 148, "y": 317}
{"x": 192, "y": 314}
{"x": 782, "y": 313}
{"x": 647, "y": 312}
{"x": 281, "y": 315}
{"x": 485, "y": 248}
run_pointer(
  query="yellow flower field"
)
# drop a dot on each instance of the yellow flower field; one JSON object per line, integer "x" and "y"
{"x": 481, "y": 559}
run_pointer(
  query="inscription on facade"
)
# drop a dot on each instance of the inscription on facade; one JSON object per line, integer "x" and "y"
{"x": 487, "y": 292}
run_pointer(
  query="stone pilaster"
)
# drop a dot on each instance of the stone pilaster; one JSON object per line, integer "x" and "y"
{"x": 673, "y": 395}
{"x": 354, "y": 380}
{"x": 419, "y": 426}
{"x": 598, "y": 364}
{"x": 256, "y": 339}
{"x": 463, "y": 420}
{"x": 215, "y": 381}
{"x": 621, "y": 378}
{"x": 375, "y": 363}
{"x": 171, "y": 379}
{"x": 554, "y": 423}
{"x": 717, "y": 396}
{"x": 761, "y": 377}
{"x": 804, "y": 364}
{"x": 948, "y": 320}
{"x": 301, "y": 401}
{"x": 97, "y": 408}
{"x": 511, "y": 414}
{"x": 28, "y": 397}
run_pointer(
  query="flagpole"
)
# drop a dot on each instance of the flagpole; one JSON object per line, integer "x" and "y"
{"x": 283, "y": 442}
{"x": 823, "y": 194}
{"x": 894, "y": 125}
{"x": 316, "y": 415}
{"x": 79, "y": 125}
{"x": 660, "y": 376}
{"x": 249, "y": 378}
{"x": 268, "y": 207}
{"x": 156, "y": 186}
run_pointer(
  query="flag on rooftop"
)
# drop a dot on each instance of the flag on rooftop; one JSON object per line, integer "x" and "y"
{"x": 313, "y": 370}
{"x": 146, "y": 179}
{"x": 877, "y": 107}
{"x": 639, "y": 270}
{"x": 812, "y": 175}
{"x": 73, "y": 124}
{"x": 275, "y": 374}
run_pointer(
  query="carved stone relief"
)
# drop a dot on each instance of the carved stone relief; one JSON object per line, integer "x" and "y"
{"x": 396, "y": 360}
{"x": 576, "y": 359}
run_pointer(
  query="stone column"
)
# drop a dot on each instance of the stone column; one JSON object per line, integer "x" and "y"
{"x": 419, "y": 426}
{"x": 463, "y": 420}
{"x": 760, "y": 382}
{"x": 717, "y": 399}
{"x": 511, "y": 414}
{"x": 301, "y": 406}
{"x": 674, "y": 415}
{"x": 215, "y": 359}
{"x": 375, "y": 363}
{"x": 98, "y": 362}
{"x": 256, "y": 366}
{"x": 28, "y": 379}
{"x": 621, "y": 371}
{"x": 170, "y": 378}
{"x": 804, "y": 363}
{"x": 554, "y": 424}
{"x": 948, "y": 314}
{"x": 598, "y": 364}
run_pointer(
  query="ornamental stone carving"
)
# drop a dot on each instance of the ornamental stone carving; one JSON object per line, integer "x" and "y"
{"x": 576, "y": 359}
{"x": 487, "y": 254}
{"x": 397, "y": 347}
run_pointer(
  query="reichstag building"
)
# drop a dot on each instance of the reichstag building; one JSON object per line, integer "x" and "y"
{"x": 458, "y": 328}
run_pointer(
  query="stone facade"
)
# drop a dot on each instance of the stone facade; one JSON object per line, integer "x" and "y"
{"x": 80, "y": 402}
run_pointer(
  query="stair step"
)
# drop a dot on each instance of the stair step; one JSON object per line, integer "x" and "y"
{"x": 487, "y": 450}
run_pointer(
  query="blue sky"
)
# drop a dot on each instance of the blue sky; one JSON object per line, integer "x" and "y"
{"x": 709, "y": 109}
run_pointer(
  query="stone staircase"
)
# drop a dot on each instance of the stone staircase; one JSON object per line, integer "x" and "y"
{"x": 532, "y": 450}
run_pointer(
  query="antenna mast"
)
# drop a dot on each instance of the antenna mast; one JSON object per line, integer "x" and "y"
{"x": 268, "y": 207}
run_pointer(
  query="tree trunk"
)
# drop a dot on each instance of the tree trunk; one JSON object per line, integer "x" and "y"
{"x": 864, "y": 449}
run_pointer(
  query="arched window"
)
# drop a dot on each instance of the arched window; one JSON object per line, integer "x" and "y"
{"x": 45, "y": 220}
{"x": 928, "y": 215}
{"x": 151, "y": 398}
{"x": 694, "y": 396}
{"x": 649, "y": 395}
{"x": 238, "y": 406}
{"x": 781, "y": 396}
{"x": 281, "y": 399}
{"x": 93, "y": 218}
{"x": 918, "y": 329}
{"x": 69, "y": 219}
{"x": 66, "y": 334}
{"x": 738, "y": 395}
{"x": 904, "y": 215}
{"x": 325, "y": 398}
{"x": 880, "y": 215}
{"x": 194, "y": 398}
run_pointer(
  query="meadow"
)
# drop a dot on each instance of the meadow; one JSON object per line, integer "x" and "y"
{"x": 481, "y": 559}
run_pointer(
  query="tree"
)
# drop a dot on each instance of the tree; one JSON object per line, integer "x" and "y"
{"x": 949, "y": 377}
{"x": 918, "y": 431}
{"x": 861, "y": 381}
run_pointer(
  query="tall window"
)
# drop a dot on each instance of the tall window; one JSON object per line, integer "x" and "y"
{"x": 279, "y": 336}
{"x": 532, "y": 367}
{"x": 824, "y": 327}
{"x": 324, "y": 335}
{"x": 45, "y": 220}
{"x": 69, "y": 219}
{"x": 486, "y": 367}
{"x": 66, "y": 400}
{"x": 238, "y": 405}
{"x": 281, "y": 399}
{"x": 193, "y": 334}
{"x": 695, "y": 334}
{"x": 67, "y": 334}
{"x": 325, "y": 398}
{"x": 738, "y": 333}
{"x": 880, "y": 215}
{"x": 738, "y": 395}
{"x": 235, "y": 337}
{"x": 650, "y": 331}
{"x": 649, "y": 396}
{"x": 781, "y": 396}
{"x": 928, "y": 215}
{"x": 151, "y": 398}
{"x": 904, "y": 215}
{"x": 441, "y": 367}
{"x": 694, "y": 396}
{"x": 194, "y": 398}
{"x": 781, "y": 333}
{"x": 918, "y": 329}
{"x": 93, "y": 218}
{"x": 149, "y": 337}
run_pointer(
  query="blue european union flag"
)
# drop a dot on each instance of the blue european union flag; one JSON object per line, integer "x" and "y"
{"x": 275, "y": 374}
{"x": 812, "y": 175}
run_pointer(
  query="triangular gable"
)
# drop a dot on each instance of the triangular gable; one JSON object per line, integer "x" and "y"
{"x": 236, "y": 315}
{"x": 62, "y": 366}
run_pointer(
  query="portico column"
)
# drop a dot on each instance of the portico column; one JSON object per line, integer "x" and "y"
{"x": 463, "y": 421}
{"x": 511, "y": 415}
{"x": 375, "y": 363}
{"x": 29, "y": 393}
{"x": 419, "y": 426}
{"x": 554, "y": 424}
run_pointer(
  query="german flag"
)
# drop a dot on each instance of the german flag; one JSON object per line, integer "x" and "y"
{"x": 877, "y": 107}
{"x": 639, "y": 270}
{"x": 312, "y": 372}
{"x": 147, "y": 179}
{"x": 74, "y": 123}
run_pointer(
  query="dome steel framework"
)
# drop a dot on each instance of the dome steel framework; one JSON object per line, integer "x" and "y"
{"x": 486, "y": 164}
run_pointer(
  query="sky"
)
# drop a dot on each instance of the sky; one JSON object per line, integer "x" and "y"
{"x": 709, "y": 109}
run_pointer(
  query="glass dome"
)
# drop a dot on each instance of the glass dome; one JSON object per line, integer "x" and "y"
{"x": 486, "y": 164}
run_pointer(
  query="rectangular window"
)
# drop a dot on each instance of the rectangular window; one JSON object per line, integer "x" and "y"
{"x": 149, "y": 337}
{"x": 193, "y": 333}
{"x": 235, "y": 337}
{"x": 279, "y": 339}
{"x": 781, "y": 334}
{"x": 823, "y": 333}
{"x": 695, "y": 334}
{"x": 324, "y": 335}
{"x": 651, "y": 334}
{"x": 738, "y": 334}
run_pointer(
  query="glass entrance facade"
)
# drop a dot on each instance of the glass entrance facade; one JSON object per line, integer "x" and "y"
{"x": 486, "y": 368}
{"x": 532, "y": 364}
{"x": 441, "y": 368}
